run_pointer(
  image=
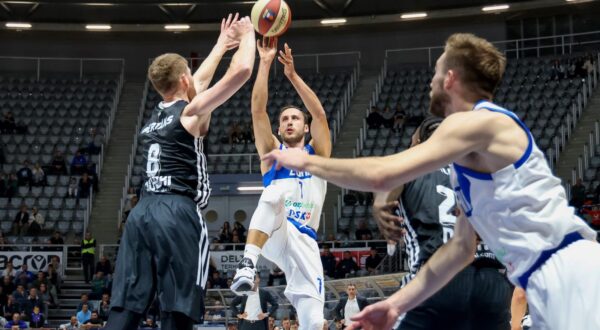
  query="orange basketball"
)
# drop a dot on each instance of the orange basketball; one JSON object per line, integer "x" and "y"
{"x": 271, "y": 18}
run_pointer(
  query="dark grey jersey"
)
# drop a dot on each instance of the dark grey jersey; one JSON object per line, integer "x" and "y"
{"x": 175, "y": 161}
{"x": 427, "y": 205}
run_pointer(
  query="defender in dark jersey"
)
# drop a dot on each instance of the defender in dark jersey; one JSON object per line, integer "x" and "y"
{"x": 164, "y": 248}
{"x": 479, "y": 296}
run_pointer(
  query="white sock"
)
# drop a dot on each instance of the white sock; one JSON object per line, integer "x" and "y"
{"x": 252, "y": 252}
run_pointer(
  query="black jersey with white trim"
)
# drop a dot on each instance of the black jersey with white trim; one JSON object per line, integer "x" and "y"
{"x": 175, "y": 160}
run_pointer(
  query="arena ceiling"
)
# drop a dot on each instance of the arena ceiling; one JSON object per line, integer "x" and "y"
{"x": 208, "y": 11}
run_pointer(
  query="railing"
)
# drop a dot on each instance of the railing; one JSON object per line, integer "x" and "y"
{"x": 61, "y": 65}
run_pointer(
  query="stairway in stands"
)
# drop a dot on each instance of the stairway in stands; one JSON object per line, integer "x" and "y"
{"x": 69, "y": 298}
{"x": 346, "y": 141}
{"x": 579, "y": 137}
{"x": 103, "y": 221}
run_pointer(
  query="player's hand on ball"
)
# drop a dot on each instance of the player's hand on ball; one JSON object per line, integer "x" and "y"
{"x": 286, "y": 58}
{"x": 379, "y": 316}
{"x": 267, "y": 48}
{"x": 388, "y": 222}
{"x": 292, "y": 158}
{"x": 225, "y": 38}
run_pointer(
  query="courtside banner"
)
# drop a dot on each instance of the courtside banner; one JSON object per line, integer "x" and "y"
{"x": 36, "y": 260}
{"x": 229, "y": 260}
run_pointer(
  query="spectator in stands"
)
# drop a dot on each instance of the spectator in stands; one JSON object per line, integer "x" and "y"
{"x": 399, "y": 118}
{"x": 104, "y": 266}
{"x": 9, "y": 126}
{"x": 253, "y": 313}
{"x": 84, "y": 314}
{"x": 12, "y": 185}
{"x": 373, "y": 260}
{"x": 85, "y": 300}
{"x": 91, "y": 172}
{"x": 128, "y": 207}
{"x": 85, "y": 184}
{"x": 73, "y": 187}
{"x": 58, "y": 166}
{"x": 34, "y": 301}
{"x": 276, "y": 274}
{"x": 11, "y": 307}
{"x": 388, "y": 117}
{"x": 234, "y": 133}
{"x": 21, "y": 222}
{"x": 37, "y": 318}
{"x": 72, "y": 325}
{"x": 239, "y": 227}
{"x": 578, "y": 194}
{"x": 57, "y": 239}
{"x": 328, "y": 261}
{"x": 225, "y": 233}
{"x": 217, "y": 281}
{"x": 16, "y": 322}
{"x": 36, "y": 223}
{"x": 79, "y": 163}
{"x": 216, "y": 245}
{"x": 235, "y": 237}
{"x": 20, "y": 297}
{"x": 271, "y": 323}
{"x": 557, "y": 71}
{"x": 374, "y": 119}
{"x": 346, "y": 266}
{"x": 46, "y": 298}
{"x": 104, "y": 307}
{"x": 247, "y": 134}
{"x": 99, "y": 284}
{"x": 95, "y": 145}
{"x": 363, "y": 233}
{"x": 39, "y": 176}
{"x": 40, "y": 279}
{"x": 349, "y": 306}
{"x": 93, "y": 323}
{"x": 88, "y": 252}
{"x": 25, "y": 175}
{"x": 10, "y": 272}
{"x": 588, "y": 66}
{"x": 148, "y": 324}
{"x": 24, "y": 276}
{"x": 54, "y": 274}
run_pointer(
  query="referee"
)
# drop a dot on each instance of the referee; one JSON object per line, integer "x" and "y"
{"x": 479, "y": 296}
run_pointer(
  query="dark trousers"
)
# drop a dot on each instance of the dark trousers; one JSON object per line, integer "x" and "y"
{"x": 256, "y": 325}
{"x": 87, "y": 260}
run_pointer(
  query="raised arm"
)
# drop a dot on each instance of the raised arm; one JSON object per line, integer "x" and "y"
{"x": 239, "y": 71}
{"x": 458, "y": 135}
{"x": 263, "y": 136}
{"x": 203, "y": 76}
{"x": 319, "y": 128}
{"x": 445, "y": 263}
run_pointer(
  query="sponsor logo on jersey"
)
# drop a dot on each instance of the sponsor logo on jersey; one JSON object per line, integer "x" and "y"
{"x": 298, "y": 215}
{"x": 306, "y": 205}
{"x": 158, "y": 183}
{"x": 300, "y": 175}
{"x": 157, "y": 125}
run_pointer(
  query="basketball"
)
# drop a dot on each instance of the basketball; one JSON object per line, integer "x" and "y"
{"x": 271, "y": 18}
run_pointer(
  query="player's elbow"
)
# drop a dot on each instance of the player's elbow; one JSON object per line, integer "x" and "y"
{"x": 242, "y": 72}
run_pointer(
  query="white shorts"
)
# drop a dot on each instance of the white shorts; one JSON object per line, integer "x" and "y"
{"x": 564, "y": 293}
{"x": 298, "y": 256}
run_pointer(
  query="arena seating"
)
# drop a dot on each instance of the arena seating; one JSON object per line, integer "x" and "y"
{"x": 528, "y": 88}
{"x": 55, "y": 114}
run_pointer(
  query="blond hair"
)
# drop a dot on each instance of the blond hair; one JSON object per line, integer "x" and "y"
{"x": 479, "y": 63}
{"x": 165, "y": 71}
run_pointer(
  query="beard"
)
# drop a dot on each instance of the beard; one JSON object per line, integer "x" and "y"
{"x": 439, "y": 102}
{"x": 293, "y": 139}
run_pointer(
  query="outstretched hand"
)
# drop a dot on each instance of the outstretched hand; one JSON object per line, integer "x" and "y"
{"x": 286, "y": 58}
{"x": 379, "y": 316}
{"x": 292, "y": 158}
{"x": 267, "y": 48}
{"x": 226, "y": 39}
{"x": 240, "y": 28}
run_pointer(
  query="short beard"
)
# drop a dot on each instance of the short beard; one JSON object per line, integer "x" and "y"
{"x": 439, "y": 103}
{"x": 293, "y": 140}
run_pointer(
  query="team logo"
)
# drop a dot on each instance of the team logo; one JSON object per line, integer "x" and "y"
{"x": 38, "y": 262}
{"x": 269, "y": 15}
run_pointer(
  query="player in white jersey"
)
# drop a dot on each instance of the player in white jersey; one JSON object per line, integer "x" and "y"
{"x": 508, "y": 195}
{"x": 284, "y": 225}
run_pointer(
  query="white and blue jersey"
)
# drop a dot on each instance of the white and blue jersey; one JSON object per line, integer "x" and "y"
{"x": 520, "y": 211}
{"x": 304, "y": 195}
